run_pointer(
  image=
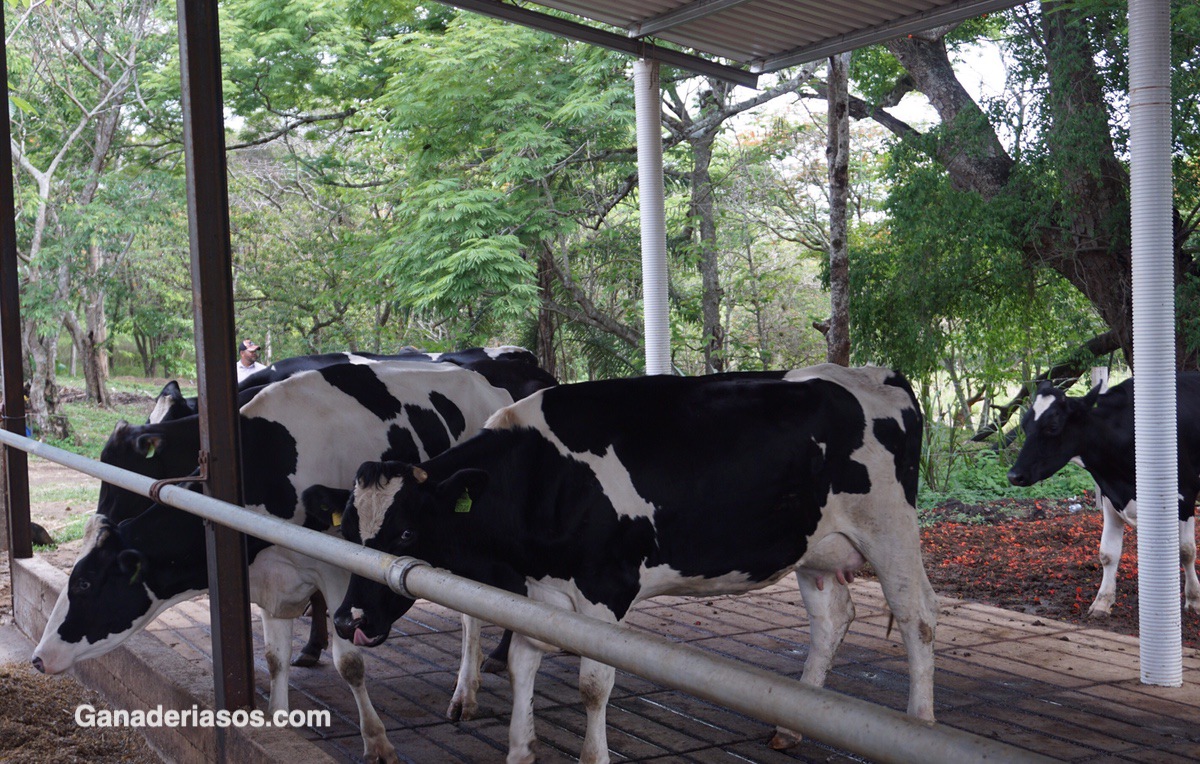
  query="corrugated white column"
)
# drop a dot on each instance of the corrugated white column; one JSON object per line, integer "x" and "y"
{"x": 647, "y": 102}
{"x": 1154, "y": 343}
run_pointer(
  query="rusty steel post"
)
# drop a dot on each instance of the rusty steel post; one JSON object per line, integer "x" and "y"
{"x": 212, "y": 304}
{"x": 16, "y": 473}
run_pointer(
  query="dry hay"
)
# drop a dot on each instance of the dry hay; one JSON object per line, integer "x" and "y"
{"x": 37, "y": 723}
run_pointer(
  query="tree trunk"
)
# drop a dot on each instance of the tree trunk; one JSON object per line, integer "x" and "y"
{"x": 837, "y": 153}
{"x": 545, "y": 317}
{"x": 712, "y": 101}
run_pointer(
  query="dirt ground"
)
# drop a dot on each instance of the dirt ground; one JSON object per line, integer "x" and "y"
{"x": 1033, "y": 556}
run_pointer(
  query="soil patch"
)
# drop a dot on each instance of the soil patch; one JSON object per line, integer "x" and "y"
{"x": 1034, "y": 556}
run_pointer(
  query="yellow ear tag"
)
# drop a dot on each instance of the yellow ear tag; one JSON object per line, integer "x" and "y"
{"x": 337, "y": 519}
{"x": 150, "y": 451}
{"x": 464, "y": 503}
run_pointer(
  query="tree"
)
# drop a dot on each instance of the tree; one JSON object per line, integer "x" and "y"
{"x": 1056, "y": 196}
{"x": 73, "y": 67}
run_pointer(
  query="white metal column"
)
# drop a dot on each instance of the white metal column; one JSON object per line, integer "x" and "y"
{"x": 655, "y": 312}
{"x": 1154, "y": 343}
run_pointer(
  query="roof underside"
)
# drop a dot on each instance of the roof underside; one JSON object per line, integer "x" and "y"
{"x": 752, "y": 36}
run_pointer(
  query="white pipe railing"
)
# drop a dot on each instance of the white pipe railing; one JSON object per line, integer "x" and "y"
{"x": 1154, "y": 409}
{"x": 647, "y": 102}
{"x": 879, "y": 733}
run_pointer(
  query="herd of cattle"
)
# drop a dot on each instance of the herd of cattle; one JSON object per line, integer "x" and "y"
{"x": 590, "y": 496}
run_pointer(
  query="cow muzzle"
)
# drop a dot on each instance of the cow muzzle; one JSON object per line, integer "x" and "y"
{"x": 355, "y": 628}
{"x": 1018, "y": 478}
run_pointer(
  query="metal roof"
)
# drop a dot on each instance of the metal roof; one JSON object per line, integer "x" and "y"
{"x": 752, "y": 36}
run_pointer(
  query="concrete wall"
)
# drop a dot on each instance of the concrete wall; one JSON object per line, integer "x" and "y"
{"x": 144, "y": 673}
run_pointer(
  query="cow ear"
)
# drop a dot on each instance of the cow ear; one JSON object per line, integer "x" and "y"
{"x": 323, "y": 506}
{"x": 132, "y": 564}
{"x": 147, "y": 445}
{"x": 1089, "y": 400}
{"x": 463, "y": 487}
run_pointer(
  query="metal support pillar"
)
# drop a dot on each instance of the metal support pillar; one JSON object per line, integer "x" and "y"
{"x": 1155, "y": 413}
{"x": 655, "y": 311}
{"x": 16, "y": 471}
{"x": 212, "y": 304}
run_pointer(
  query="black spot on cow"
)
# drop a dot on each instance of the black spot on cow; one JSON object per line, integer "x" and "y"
{"x": 451, "y": 414}
{"x": 429, "y": 428}
{"x": 360, "y": 382}
{"x": 269, "y": 459}
{"x": 401, "y": 446}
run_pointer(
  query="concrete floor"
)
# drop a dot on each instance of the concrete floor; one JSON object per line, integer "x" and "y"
{"x": 1045, "y": 686}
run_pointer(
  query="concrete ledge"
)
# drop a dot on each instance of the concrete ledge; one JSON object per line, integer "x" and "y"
{"x": 144, "y": 673}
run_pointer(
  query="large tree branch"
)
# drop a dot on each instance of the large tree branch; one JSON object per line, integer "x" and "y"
{"x": 588, "y": 313}
{"x": 1063, "y": 374}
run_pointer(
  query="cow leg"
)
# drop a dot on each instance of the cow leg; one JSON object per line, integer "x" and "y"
{"x": 830, "y": 611}
{"x": 595, "y": 686}
{"x": 318, "y": 633}
{"x": 349, "y": 662}
{"x": 896, "y": 556}
{"x": 524, "y": 657}
{"x": 277, "y": 636}
{"x": 1111, "y": 540}
{"x": 1187, "y": 557}
{"x": 464, "y": 702}
{"x": 497, "y": 660}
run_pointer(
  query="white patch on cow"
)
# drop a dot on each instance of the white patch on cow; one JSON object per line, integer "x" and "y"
{"x": 1078, "y": 462}
{"x": 663, "y": 579}
{"x": 1129, "y": 513}
{"x": 92, "y": 534}
{"x": 372, "y": 503}
{"x": 1041, "y": 404}
{"x": 502, "y": 350}
{"x": 317, "y": 414}
{"x": 612, "y": 475}
{"x": 162, "y": 405}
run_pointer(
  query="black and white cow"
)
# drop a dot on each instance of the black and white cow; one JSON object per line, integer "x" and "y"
{"x": 313, "y": 428}
{"x": 509, "y": 367}
{"x": 597, "y": 495}
{"x": 1096, "y": 432}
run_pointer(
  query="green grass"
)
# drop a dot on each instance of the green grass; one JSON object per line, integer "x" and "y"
{"x": 982, "y": 476}
{"x": 74, "y": 495}
{"x": 91, "y": 425}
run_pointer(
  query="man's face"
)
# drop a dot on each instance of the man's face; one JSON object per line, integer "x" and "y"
{"x": 249, "y": 356}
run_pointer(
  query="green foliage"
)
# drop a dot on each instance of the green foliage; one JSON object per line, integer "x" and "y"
{"x": 91, "y": 425}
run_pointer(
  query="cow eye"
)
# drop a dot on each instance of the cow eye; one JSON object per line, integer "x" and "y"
{"x": 406, "y": 537}
{"x": 82, "y": 585}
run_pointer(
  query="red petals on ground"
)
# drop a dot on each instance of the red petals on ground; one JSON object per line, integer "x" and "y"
{"x": 1034, "y": 557}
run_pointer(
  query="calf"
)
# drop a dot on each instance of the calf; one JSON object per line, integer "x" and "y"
{"x": 313, "y": 428}
{"x": 597, "y": 495}
{"x": 1096, "y": 432}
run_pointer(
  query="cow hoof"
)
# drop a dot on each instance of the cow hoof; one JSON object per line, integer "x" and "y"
{"x": 461, "y": 712}
{"x": 307, "y": 660}
{"x": 784, "y": 739}
{"x": 493, "y": 666}
{"x": 1099, "y": 611}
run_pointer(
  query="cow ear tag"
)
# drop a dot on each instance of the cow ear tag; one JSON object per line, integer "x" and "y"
{"x": 137, "y": 573}
{"x": 464, "y": 503}
{"x": 150, "y": 451}
{"x": 337, "y": 519}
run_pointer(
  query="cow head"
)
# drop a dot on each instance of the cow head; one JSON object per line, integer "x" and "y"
{"x": 107, "y": 599}
{"x": 1054, "y": 433}
{"x": 394, "y": 508}
{"x": 153, "y": 450}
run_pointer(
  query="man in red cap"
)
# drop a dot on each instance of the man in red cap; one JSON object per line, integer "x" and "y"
{"x": 247, "y": 359}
